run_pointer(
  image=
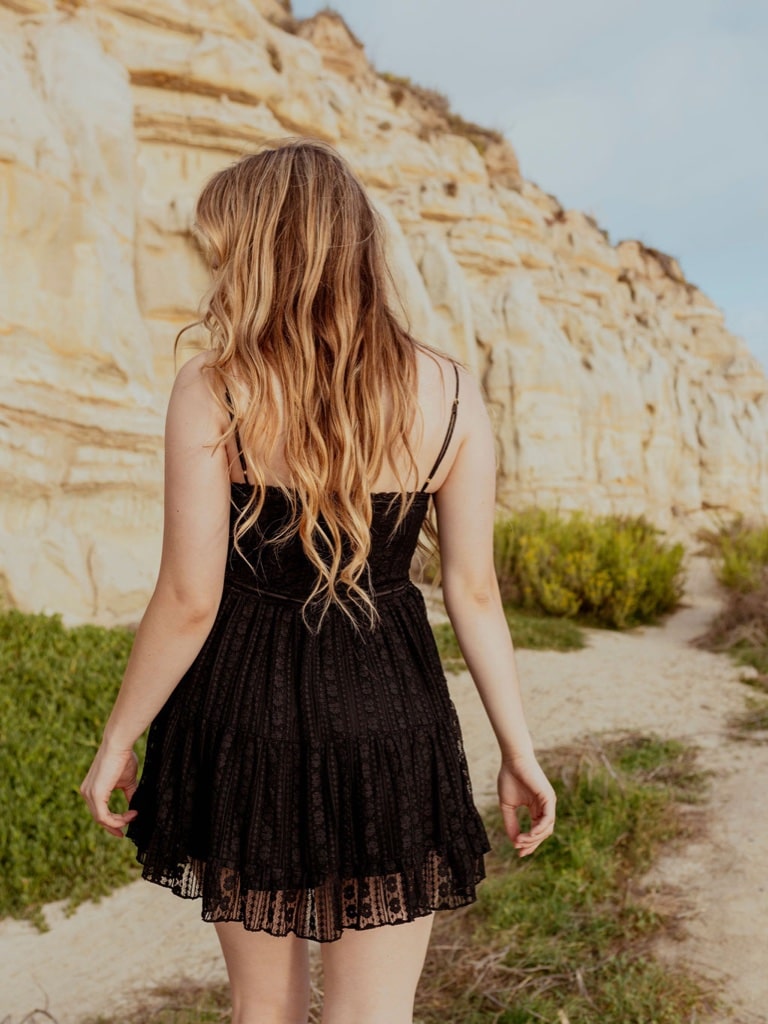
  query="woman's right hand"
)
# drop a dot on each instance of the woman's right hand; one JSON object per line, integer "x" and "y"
{"x": 110, "y": 770}
{"x": 522, "y": 783}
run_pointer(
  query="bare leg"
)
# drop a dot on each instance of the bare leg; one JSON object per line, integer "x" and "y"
{"x": 371, "y": 976}
{"x": 268, "y": 976}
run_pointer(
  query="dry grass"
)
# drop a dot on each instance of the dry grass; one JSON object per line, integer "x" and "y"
{"x": 752, "y": 723}
{"x": 437, "y": 105}
{"x": 741, "y": 628}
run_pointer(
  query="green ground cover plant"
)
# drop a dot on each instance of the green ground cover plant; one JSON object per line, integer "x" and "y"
{"x": 57, "y": 686}
{"x": 564, "y": 936}
{"x": 606, "y": 571}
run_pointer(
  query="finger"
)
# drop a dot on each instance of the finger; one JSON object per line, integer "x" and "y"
{"x": 529, "y": 843}
{"x": 529, "y": 848}
{"x": 116, "y": 832}
{"x": 543, "y": 829}
{"x": 108, "y": 818}
{"x": 110, "y": 823}
{"x": 114, "y": 828}
{"x": 126, "y": 816}
{"x": 511, "y": 822}
{"x": 545, "y": 819}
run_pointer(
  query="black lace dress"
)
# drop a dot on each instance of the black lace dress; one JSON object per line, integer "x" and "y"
{"x": 304, "y": 781}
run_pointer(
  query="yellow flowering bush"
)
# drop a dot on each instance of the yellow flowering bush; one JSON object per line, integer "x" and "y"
{"x": 612, "y": 570}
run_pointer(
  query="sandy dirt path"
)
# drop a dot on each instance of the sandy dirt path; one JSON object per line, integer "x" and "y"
{"x": 649, "y": 679}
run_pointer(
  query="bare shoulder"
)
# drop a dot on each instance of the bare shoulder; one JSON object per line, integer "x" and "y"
{"x": 195, "y": 371}
{"x": 437, "y": 386}
{"x": 194, "y": 381}
{"x": 192, "y": 397}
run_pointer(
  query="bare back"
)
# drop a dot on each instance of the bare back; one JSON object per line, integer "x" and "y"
{"x": 439, "y": 388}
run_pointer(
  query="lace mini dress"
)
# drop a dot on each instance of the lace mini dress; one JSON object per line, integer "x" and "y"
{"x": 311, "y": 781}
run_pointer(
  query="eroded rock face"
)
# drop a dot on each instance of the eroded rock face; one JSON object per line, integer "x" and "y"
{"x": 613, "y": 383}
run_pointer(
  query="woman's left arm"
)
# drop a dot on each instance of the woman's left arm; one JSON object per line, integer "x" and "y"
{"x": 186, "y": 598}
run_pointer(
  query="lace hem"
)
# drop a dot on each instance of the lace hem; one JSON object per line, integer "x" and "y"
{"x": 322, "y": 912}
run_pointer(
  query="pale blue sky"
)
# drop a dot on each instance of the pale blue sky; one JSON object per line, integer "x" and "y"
{"x": 652, "y": 115}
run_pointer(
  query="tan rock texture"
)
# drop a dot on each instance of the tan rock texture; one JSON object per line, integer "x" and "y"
{"x": 613, "y": 383}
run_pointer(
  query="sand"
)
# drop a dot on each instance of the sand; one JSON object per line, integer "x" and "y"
{"x": 648, "y": 679}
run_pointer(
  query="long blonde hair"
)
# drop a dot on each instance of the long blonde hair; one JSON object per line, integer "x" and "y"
{"x": 298, "y": 306}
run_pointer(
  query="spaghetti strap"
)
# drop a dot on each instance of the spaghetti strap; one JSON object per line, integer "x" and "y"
{"x": 243, "y": 463}
{"x": 448, "y": 433}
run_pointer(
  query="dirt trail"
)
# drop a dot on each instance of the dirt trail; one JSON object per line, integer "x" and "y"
{"x": 649, "y": 679}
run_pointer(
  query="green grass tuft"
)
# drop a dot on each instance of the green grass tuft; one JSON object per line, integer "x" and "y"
{"x": 186, "y": 1002}
{"x": 57, "y": 686}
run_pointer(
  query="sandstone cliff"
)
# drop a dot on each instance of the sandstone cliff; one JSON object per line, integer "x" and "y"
{"x": 613, "y": 382}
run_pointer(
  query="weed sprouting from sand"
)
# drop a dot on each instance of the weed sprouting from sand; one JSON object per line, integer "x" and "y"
{"x": 752, "y": 723}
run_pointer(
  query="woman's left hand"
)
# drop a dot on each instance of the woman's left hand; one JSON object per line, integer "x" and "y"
{"x": 110, "y": 770}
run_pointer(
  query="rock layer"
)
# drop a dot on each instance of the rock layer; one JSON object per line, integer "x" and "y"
{"x": 613, "y": 382}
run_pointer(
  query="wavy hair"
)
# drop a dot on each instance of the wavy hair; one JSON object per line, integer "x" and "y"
{"x": 298, "y": 309}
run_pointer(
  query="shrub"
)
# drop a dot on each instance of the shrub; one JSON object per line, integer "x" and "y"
{"x": 610, "y": 570}
{"x": 740, "y": 550}
{"x": 741, "y": 628}
{"x": 57, "y": 686}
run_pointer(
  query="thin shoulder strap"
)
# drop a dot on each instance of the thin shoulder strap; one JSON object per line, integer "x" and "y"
{"x": 448, "y": 433}
{"x": 240, "y": 455}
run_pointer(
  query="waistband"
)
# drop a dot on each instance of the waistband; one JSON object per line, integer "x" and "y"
{"x": 237, "y": 583}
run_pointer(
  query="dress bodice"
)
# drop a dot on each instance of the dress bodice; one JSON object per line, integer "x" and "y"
{"x": 283, "y": 569}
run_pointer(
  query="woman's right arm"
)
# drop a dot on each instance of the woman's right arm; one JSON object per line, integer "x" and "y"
{"x": 466, "y": 506}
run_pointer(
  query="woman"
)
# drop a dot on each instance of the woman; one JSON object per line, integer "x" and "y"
{"x": 304, "y": 773}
